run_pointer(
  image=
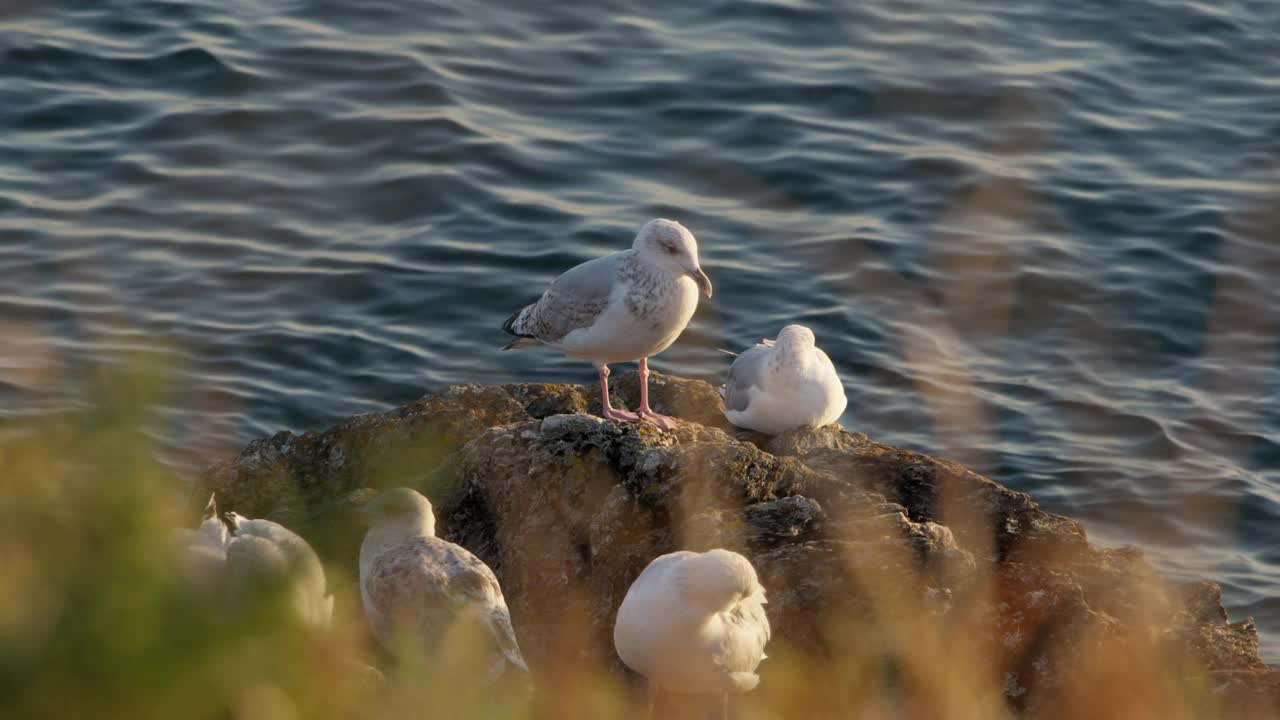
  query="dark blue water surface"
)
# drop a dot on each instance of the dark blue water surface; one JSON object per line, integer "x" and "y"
{"x": 1041, "y": 238}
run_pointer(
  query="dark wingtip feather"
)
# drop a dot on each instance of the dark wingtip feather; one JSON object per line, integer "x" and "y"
{"x": 522, "y": 339}
{"x": 520, "y": 342}
{"x": 510, "y": 325}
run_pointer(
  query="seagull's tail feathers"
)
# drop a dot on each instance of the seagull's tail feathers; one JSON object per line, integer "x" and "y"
{"x": 724, "y": 389}
{"x": 512, "y": 322}
{"x": 509, "y": 655}
{"x": 210, "y": 508}
{"x": 513, "y": 326}
{"x": 740, "y": 682}
{"x": 515, "y": 659}
{"x": 522, "y": 342}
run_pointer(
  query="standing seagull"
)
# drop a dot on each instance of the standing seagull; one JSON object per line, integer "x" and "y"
{"x": 785, "y": 384}
{"x": 694, "y": 624}
{"x": 415, "y": 583}
{"x": 625, "y": 306}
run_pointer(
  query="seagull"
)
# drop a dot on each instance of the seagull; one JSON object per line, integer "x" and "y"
{"x": 629, "y": 305}
{"x": 250, "y": 555}
{"x": 413, "y": 582}
{"x": 694, "y": 624}
{"x": 262, "y": 549}
{"x": 202, "y": 553}
{"x": 780, "y": 385}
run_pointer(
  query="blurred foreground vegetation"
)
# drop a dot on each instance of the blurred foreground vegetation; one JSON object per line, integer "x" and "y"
{"x": 96, "y": 620}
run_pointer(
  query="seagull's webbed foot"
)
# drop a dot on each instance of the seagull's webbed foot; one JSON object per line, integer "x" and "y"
{"x": 664, "y": 422}
{"x": 617, "y": 415}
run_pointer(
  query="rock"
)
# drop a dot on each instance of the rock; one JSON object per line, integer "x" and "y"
{"x": 851, "y": 538}
{"x": 975, "y": 507}
{"x": 1202, "y": 603}
{"x": 1248, "y": 693}
{"x": 1220, "y": 647}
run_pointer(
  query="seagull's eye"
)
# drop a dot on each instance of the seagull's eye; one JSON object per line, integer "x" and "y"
{"x": 669, "y": 248}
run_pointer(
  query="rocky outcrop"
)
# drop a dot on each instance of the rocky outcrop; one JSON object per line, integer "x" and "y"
{"x": 873, "y": 556}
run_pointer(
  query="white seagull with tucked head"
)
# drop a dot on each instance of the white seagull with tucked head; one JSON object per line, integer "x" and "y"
{"x": 694, "y": 624}
{"x": 784, "y": 384}
{"x": 630, "y": 305}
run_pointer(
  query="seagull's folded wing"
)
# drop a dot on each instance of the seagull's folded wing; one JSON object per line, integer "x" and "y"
{"x": 745, "y": 373}
{"x": 573, "y": 301}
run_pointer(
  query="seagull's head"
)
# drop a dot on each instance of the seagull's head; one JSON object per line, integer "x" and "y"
{"x": 233, "y": 520}
{"x": 795, "y": 337}
{"x": 242, "y": 526}
{"x": 400, "y": 509}
{"x": 723, "y": 579}
{"x": 669, "y": 244}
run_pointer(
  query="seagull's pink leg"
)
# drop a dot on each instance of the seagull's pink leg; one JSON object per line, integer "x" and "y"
{"x": 608, "y": 411}
{"x": 646, "y": 412}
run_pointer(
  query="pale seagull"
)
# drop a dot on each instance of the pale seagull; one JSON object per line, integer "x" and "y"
{"x": 202, "y": 552}
{"x": 627, "y": 306}
{"x": 247, "y": 554}
{"x": 263, "y": 548}
{"x": 415, "y": 583}
{"x": 694, "y": 624}
{"x": 785, "y": 384}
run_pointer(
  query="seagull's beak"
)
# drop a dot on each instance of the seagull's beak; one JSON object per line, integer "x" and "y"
{"x": 704, "y": 283}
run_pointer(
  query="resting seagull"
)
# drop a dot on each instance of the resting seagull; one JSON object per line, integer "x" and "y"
{"x": 261, "y": 549}
{"x": 415, "y": 583}
{"x": 202, "y": 553}
{"x": 694, "y": 624}
{"x": 249, "y": 555}
{"x": 782, "y": 385}
{"x": 630, "y": 305}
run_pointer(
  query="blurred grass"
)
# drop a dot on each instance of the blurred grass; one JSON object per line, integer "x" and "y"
{"x": 93, "y": 619}
{"x": 96, "y": 621}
